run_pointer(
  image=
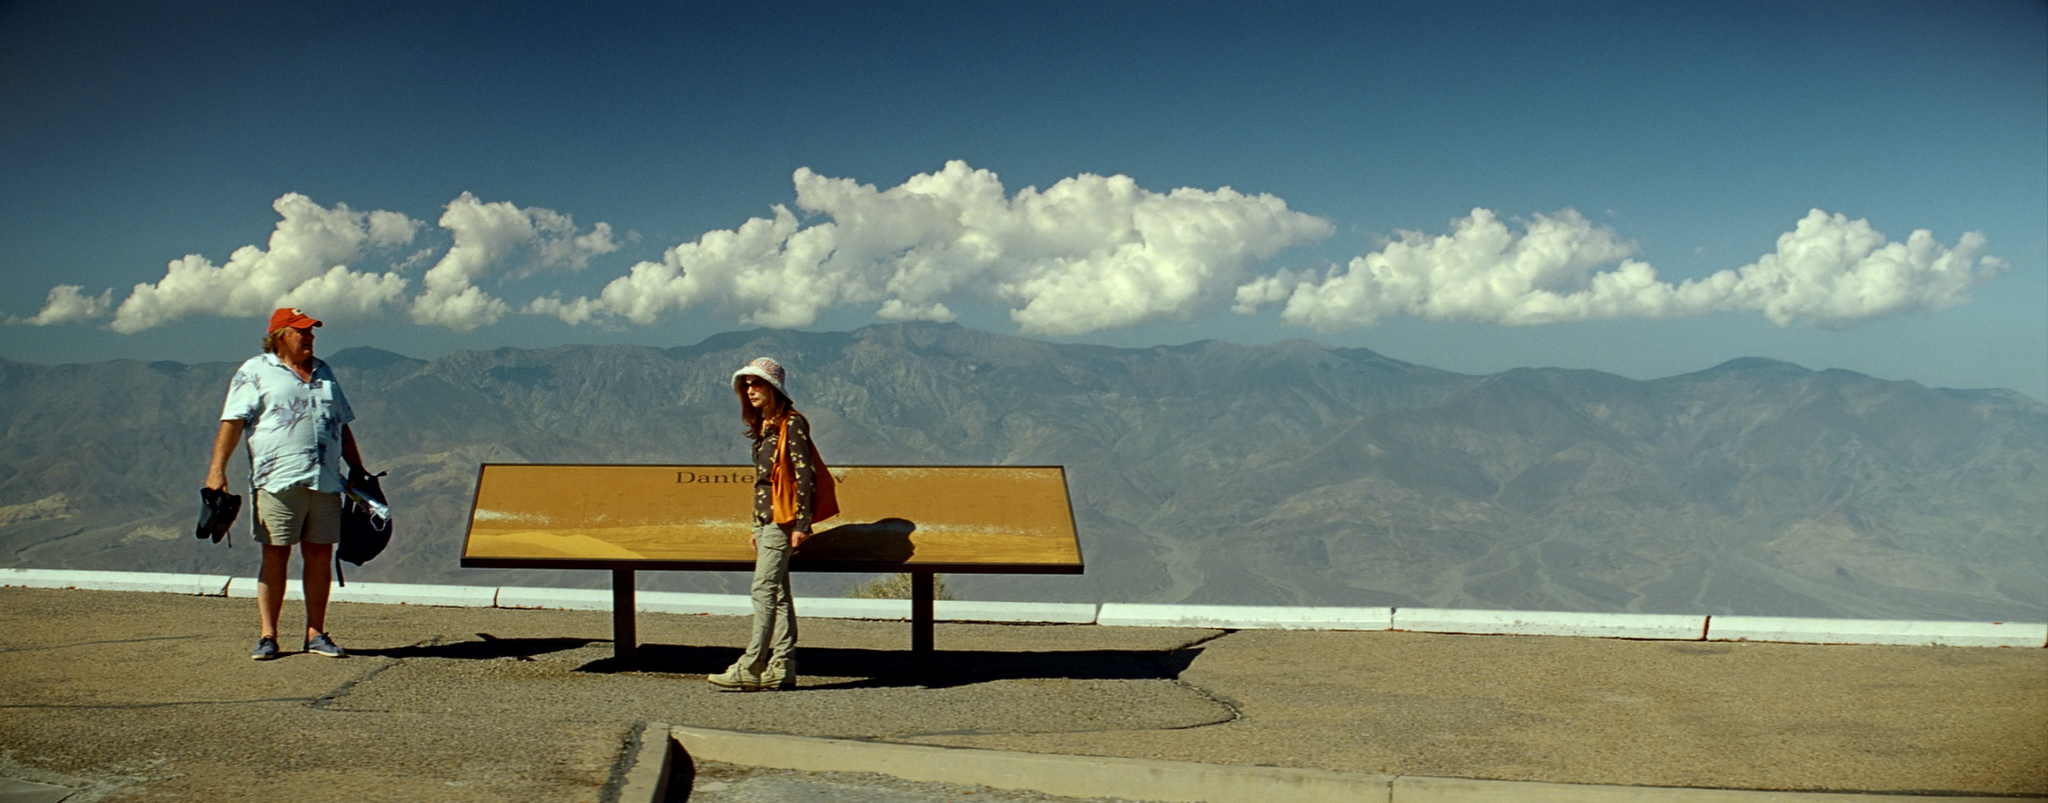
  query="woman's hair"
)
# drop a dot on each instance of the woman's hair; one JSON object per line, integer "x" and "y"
{"x": 270, "y": 340}
{"x": 758, "y": 421}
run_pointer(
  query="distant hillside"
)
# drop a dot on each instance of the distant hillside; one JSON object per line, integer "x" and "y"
{"x": 1290, "y": 474}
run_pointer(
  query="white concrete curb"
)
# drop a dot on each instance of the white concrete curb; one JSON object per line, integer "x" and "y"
{"x": 599, "y": 599}
{"x": 1459, "y": 790}
{"x": 1860, "y": 631}
{"x": 1674, "y": 627}
{"x": 1552, "y": 623}
{"x": 830, "y": 608}
{"x": 646, "y": 776}
{"x": 1061, "y": 613}
{"x": 447, "y": 596}
{"x": 563, "y": 599}
{"x": 381, "y": 593}
{"x": 1070, "y": 776}
{"x": 1244, "y": 617}
{"x": 693, "y": 604}
{"x": 207, "y": 585}
{"x": 1137, "y": 779}
{"x": 944, "y": 610}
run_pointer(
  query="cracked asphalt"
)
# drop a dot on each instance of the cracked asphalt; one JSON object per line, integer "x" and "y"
{"x": 133, "y": 696}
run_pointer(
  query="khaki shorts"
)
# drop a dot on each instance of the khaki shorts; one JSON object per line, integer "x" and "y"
{"x": 296, "y": 515}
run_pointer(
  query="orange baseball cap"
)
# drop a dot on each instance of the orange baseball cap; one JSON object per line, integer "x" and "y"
{"x": 290, "y": 318}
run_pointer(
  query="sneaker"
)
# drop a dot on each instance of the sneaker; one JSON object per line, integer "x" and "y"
{"x": 744, "y": 678}
{"x": 322, "y": 645}
{"x": 266, "y": 649}
{"x": 780, "y": 674}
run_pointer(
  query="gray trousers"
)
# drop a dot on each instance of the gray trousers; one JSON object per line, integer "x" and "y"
{"x": 774, "y": 606}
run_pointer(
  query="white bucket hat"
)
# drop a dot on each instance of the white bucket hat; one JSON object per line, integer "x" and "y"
{"x": 764, "y": 368}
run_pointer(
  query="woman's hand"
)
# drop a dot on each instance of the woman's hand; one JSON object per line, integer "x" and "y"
{"x": 797, "y": 539}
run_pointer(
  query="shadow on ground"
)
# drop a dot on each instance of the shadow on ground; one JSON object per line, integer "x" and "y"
{"x": 867, "y": 668}
{"x": 838, "y": 668}
{"x": 486, "y": 648}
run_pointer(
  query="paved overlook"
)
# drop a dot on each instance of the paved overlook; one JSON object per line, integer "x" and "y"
{"x": 133, "y": 696}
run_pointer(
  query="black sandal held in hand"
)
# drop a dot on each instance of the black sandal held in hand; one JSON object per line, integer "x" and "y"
{"x": 217, "y": 511}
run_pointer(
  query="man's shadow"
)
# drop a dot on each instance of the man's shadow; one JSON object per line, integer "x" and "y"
{"x": 486, "y": 648}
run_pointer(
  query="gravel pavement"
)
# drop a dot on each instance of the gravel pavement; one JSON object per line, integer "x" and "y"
{"x": 136, "y": 696}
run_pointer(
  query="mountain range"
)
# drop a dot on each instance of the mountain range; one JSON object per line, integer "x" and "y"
{"x": 1289, "y": 474}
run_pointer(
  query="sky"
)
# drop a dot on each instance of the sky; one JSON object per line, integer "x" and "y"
{"x": 1646, "y": 189}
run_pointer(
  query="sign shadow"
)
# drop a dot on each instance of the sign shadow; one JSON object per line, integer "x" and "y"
{"x": 887, "y": 540}
{"x": 827, "y": 668}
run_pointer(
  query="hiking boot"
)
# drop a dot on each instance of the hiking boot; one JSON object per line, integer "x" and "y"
{"x": 780, "y": 674}
{"x": 266, "y": 649}
{"x": 740, "y": 676}
{"x": 322, "y": 645}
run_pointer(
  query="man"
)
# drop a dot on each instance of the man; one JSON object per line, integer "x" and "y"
{"x": 297, "y": 419}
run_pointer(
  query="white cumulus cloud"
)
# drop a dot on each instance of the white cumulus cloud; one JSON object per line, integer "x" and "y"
{"x": 305, "y": 265}
{"x": 1085, "y": 254}
{"x": 498, "y": 236}
{"x": 68, "y": 303}
{"x": 308, "y": 265}
{"x": 1829, "y": 272}
{"x": 1088, "y": 253}
{"x": 1834, "y": 272}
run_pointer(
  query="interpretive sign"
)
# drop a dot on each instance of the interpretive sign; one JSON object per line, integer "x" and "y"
{"x": 958, "y": 519}
{"x": 916, "y": 519}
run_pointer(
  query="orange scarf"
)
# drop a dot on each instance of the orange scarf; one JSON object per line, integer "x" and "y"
{"x": 824, "y": 492}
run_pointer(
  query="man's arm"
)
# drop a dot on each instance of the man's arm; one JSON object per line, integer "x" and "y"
{"x": 349, "y": 454}
{"x": 223, "y": 446}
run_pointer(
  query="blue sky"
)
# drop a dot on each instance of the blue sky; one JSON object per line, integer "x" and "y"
{"x": 1644, "y": 189}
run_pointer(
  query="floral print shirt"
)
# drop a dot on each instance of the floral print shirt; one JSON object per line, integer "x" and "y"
{"x": 800, "y": 459}
{"x": 293, "y": 425}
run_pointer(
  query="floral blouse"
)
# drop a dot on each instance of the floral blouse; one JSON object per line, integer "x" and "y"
{"x": 764, "y": 470}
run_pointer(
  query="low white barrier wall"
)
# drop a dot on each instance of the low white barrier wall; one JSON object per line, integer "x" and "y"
{"x": 1245, "y": 617}
{"x": 382, "y": 593}
{"x": 599, "y": 599}
{"x": 1055, "y": 613}
{"x": 1671, "y": 627}
{"x": 208, "y": 585}
{"x": 1862, "y": 631}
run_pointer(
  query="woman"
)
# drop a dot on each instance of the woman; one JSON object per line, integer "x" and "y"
{"x": 770, "y": 661}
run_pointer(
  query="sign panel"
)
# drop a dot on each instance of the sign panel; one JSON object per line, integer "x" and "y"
{"x": 968, "y": 519}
